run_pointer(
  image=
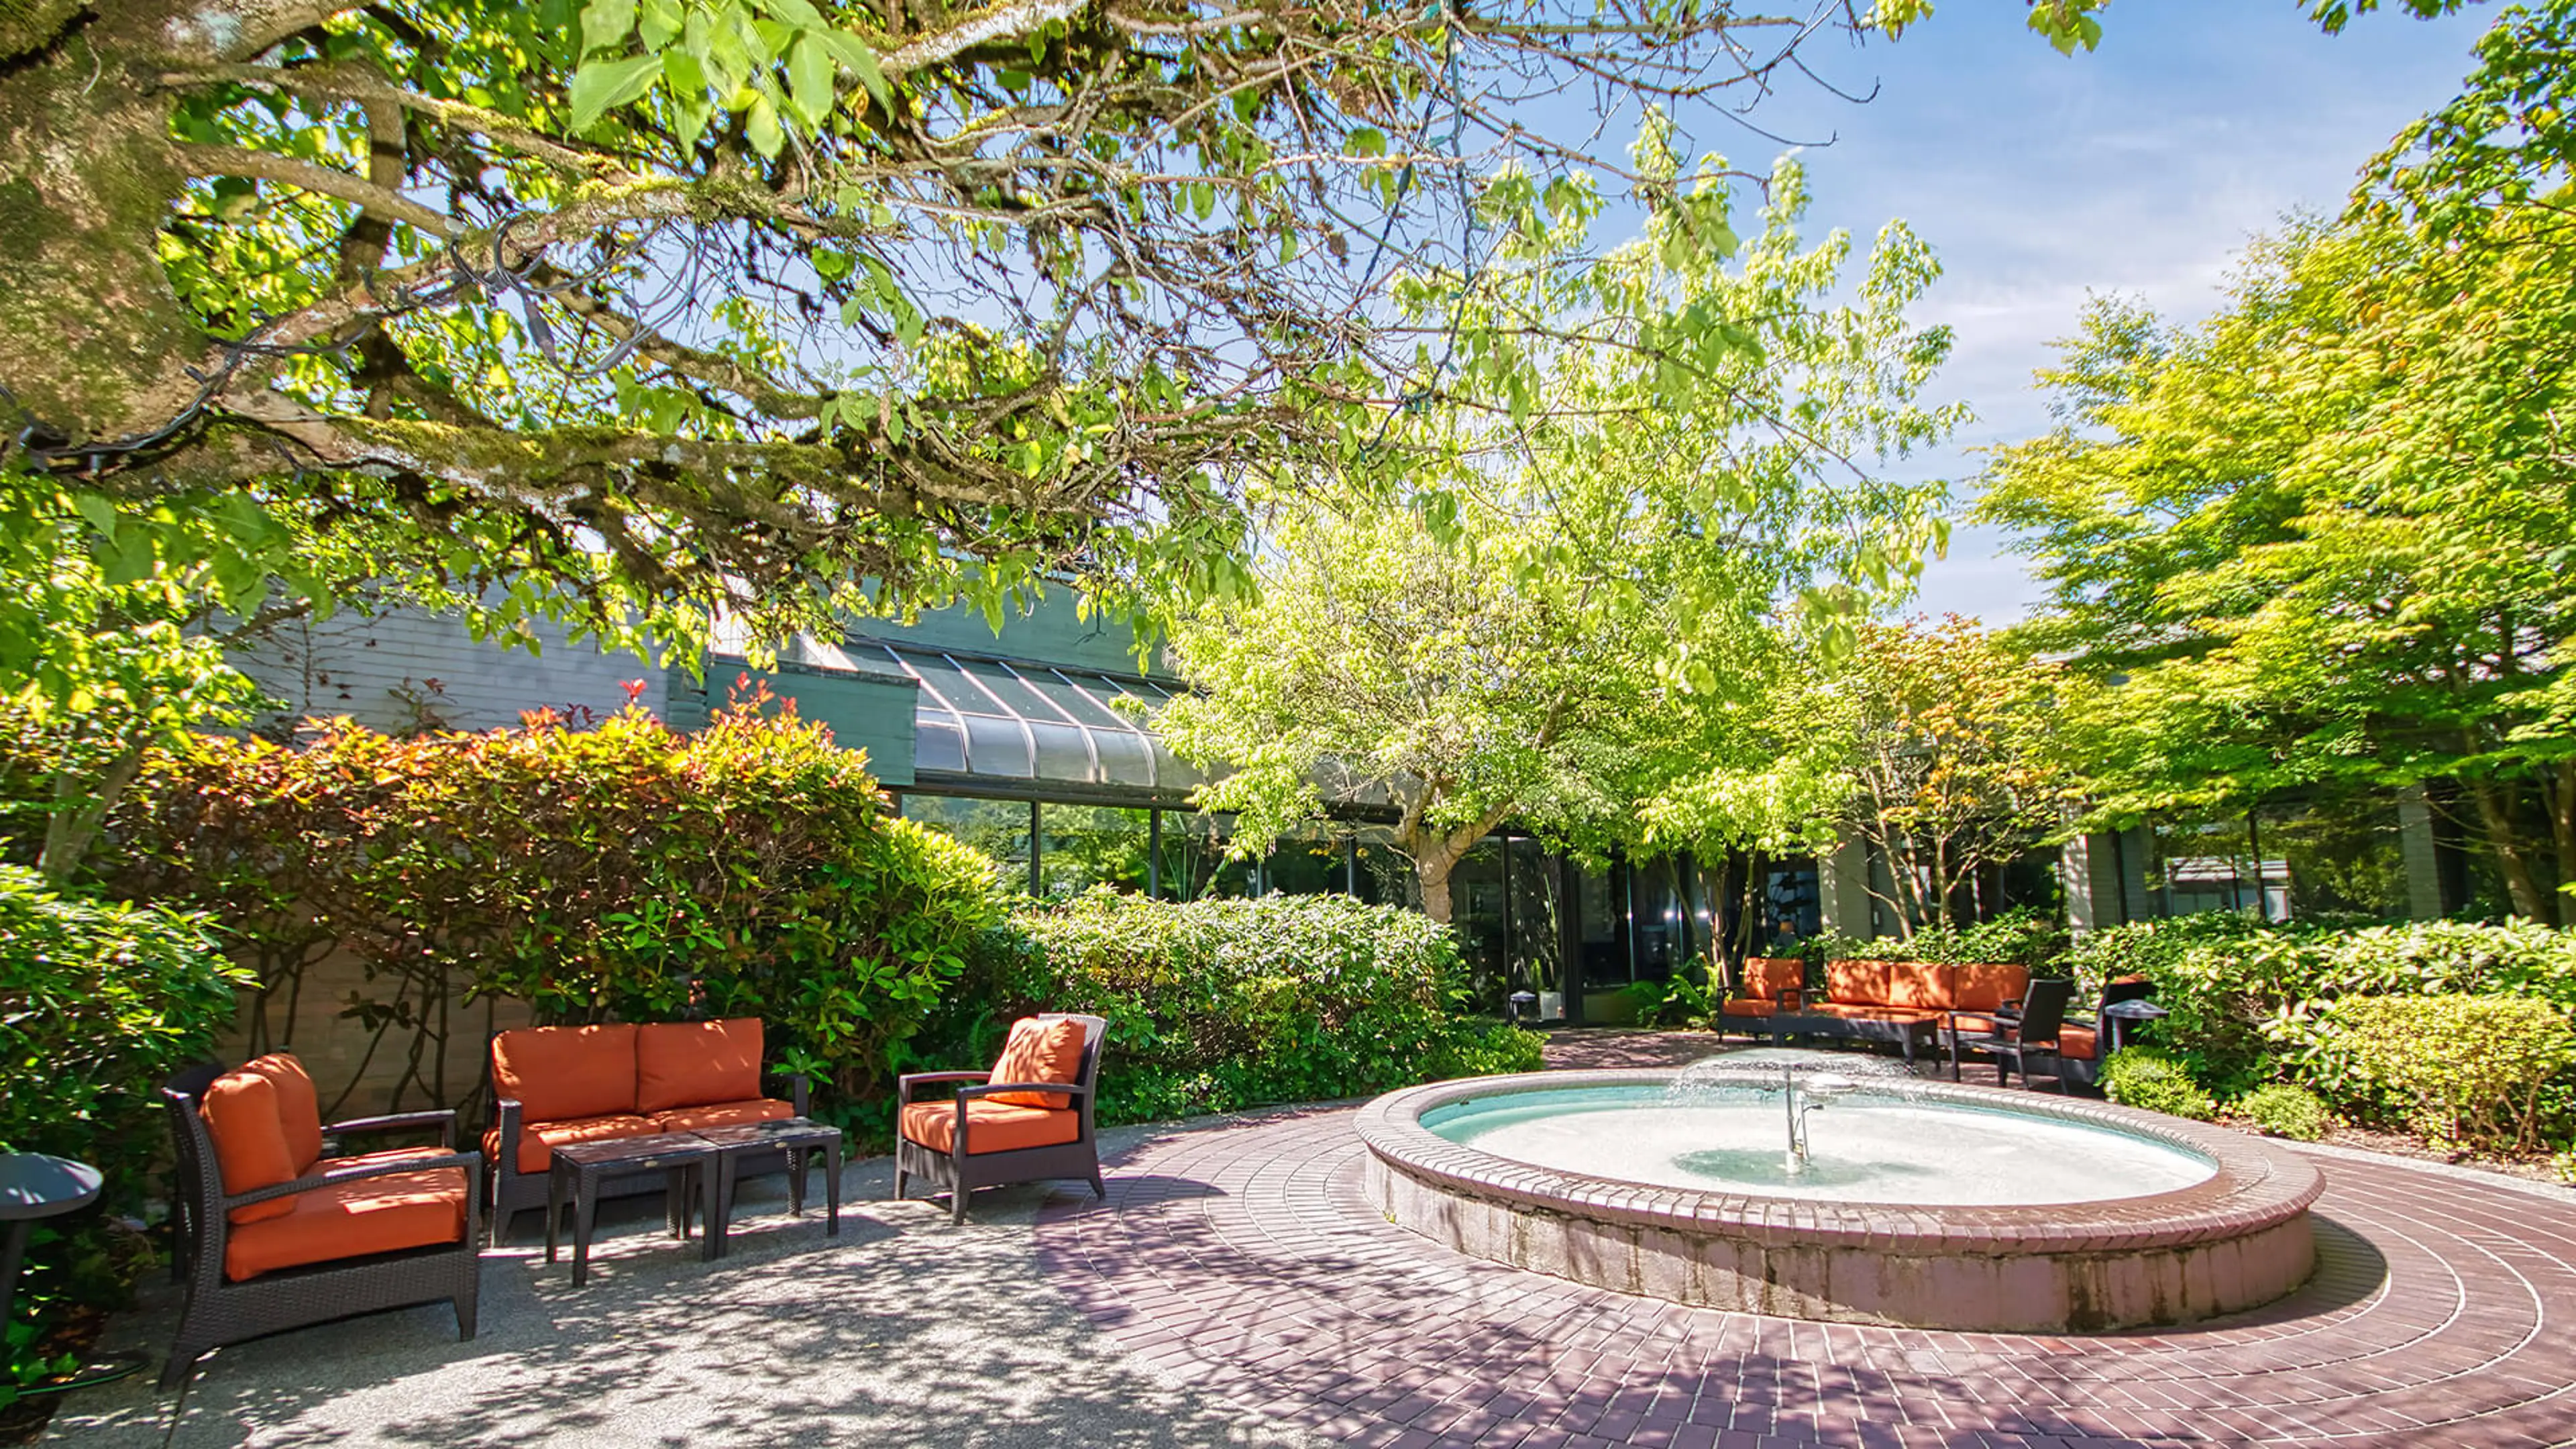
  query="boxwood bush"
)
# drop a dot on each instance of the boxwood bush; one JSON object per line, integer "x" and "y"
{"x": 2152, "y": 1081}
{"x": 2282, "y": 1110}
{"x": 1218, "y": 1005}
{"x": 2462, "y": 1070}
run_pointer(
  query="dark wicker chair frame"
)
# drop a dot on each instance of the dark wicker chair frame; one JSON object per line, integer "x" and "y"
{"x": 219, "y": 1311}
{"x": 961, "y": 1172}
{"x": 2024, "y": 1036}
{"x": 515, "y": 1192}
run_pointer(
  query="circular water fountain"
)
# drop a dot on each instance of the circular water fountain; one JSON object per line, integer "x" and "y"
{"x": 1838, "y": 1187}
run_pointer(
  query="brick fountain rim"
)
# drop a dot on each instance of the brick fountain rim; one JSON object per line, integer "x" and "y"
{"x": 2235, "y": 1240}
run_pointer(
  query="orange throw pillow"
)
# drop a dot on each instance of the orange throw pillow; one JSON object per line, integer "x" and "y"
{"x": 240, "y": 1111}
{"x": 299, "y": 1106}
{"x": 1039, "y": 1051}
{"x": 694, "y": 1063}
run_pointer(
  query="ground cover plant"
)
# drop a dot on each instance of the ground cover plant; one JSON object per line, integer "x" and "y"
{"x": 1218, "y": 1005}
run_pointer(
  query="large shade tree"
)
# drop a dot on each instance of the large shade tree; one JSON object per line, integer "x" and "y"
{"x": 2324, "y": 543}
{"x": 1583, "y": 591}
{"x": 663, "y": 304}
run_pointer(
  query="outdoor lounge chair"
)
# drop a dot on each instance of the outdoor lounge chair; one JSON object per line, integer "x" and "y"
{"x": 272, "y": 1234}
{"x": 1025, "y": 1120}
{"x": 2015, "y": 1039}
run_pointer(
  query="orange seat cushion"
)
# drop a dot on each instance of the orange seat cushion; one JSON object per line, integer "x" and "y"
{"x": 1747, "y": 1006}
{"x": 2077, "y": 1043}
{"x": 723, "y": 1114}
{"x": 1765, "y": 977}
{"x": 1861, "y": 1011}
{"x": 538, "y": 1140}
{"x": 560, "y": 1073}
{"x": 1039, "y": 1051}
{"x": 1972, "y": 1023}
{"x": 352, "y": 1219}
{"x": 251, "y": 1151}
{"x": 299, "y": 1106}
{"x": 1986, "y": 985}
{"x": 693, "y": 1063}
{"x": 991, "y": 1126}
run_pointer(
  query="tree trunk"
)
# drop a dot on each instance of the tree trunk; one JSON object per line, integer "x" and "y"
{"x": 95, "y": 346}
{"x": 2511, "y": 851}
{"x": 80, "y": 812}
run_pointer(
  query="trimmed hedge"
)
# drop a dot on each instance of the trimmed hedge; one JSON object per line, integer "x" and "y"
{"x": 1219, "y": 1005}
{"x": 99, "y": 1002}
{"x": 2463, "y": 1070}
{"x": 624, "y": 871}
{"x": 2282, "y": 1110}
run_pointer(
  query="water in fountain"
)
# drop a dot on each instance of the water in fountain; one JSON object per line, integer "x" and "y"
{"x": 1723, "y": 1125}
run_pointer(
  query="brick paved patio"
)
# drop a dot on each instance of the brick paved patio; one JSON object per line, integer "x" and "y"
{"x": 1242, "y": 1260}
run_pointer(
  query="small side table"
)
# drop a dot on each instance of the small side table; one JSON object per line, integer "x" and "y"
{"x": 579, "y": 1166}
{"x": 34, "y": 1187}
{"x": 798, "y": 1137}
{"x": 2123, "y": 1017}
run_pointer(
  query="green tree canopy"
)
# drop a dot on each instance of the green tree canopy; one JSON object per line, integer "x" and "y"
{"x": 784, "y": 307}
{"x": 1584, "y": 590}
{"x": 2327, "y": 540}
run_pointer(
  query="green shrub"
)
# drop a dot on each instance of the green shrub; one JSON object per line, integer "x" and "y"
{"x": 2144, "y": 1078}
{"x": 1682, "y": 999}
{"x": 624, "y": 871}
{"x": 2248, "y": 1000}
{"x": 1218, "y": 1005}
{"x": 2022, "y": 935}
{"x": 2282, "y": 1110}
{"x": 99, "y": 1003}
{"x": 2462, "y": 1069}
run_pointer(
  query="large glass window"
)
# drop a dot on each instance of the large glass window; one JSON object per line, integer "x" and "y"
{"x": 1600, "y": 921}
{"x": 999, "y": 828}
{"x": 1087, "y": 845}
{"x": 1537, "y": 918}
{"x": 1658, "y": 917}
{"x": 1193, "y": 860}
{"x": 1383, "y": 875}
{"x": 1479, "y": 913}
{"x": 1310, "y": 862}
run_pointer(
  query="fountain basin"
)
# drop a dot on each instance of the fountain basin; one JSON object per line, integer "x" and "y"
{"x": 2235, "y": 1238}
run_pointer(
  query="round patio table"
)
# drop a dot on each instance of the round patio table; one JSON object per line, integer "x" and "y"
{"x": 34, "y": 1187}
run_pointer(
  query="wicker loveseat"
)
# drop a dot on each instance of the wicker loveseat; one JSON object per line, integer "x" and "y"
{"x": 561, "y": 1084}
{"x": 273, "y": 1231}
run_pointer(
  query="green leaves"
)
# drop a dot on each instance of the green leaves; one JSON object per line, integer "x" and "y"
{"x": 601, "y": 86}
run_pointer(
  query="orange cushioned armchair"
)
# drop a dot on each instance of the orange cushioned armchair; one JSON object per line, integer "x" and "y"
{"x": 1765, "y": 979}
{"x": 553, "y": 1085}
{"x": 273, "y": 1231}
{"x": 1026, "y": 1119}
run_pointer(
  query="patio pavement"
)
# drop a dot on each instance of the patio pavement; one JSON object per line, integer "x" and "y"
{"x": 1233, "y": 1291}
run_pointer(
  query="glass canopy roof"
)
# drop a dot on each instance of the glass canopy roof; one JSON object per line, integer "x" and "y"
{"x": 1018, "y": 719}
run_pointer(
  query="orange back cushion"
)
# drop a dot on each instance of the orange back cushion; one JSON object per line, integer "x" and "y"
{"x": 557, "y": 1073}
{"x": 1921, "y": 985}
{"x": 299, "y": 1107}
{"x": 1765, "y": 977}
{"x": 251, "y": 1152}
{"x": 695, "y": 1063}
{"x": 1986, "y": 985}
{"x": 1039, "y": 1051}
{"x": 1858, "y": 983}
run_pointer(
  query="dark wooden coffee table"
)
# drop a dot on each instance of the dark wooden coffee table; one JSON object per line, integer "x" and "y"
{"x": 1907, "y": 1032}
{"x": 579, "y": 1167}
{"x": 798, "y": 1138}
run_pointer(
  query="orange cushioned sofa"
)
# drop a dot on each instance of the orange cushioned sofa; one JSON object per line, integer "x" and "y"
{"x": 274, "y": 1228}
{"x": 1907, "y": 1002}
{"x": 554, "y": 1085}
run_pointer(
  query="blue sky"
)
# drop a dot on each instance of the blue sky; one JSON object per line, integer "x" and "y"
{"x": 2141, "y": 168}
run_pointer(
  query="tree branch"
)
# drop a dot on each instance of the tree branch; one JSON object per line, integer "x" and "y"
{"x": 203, "y": 160}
